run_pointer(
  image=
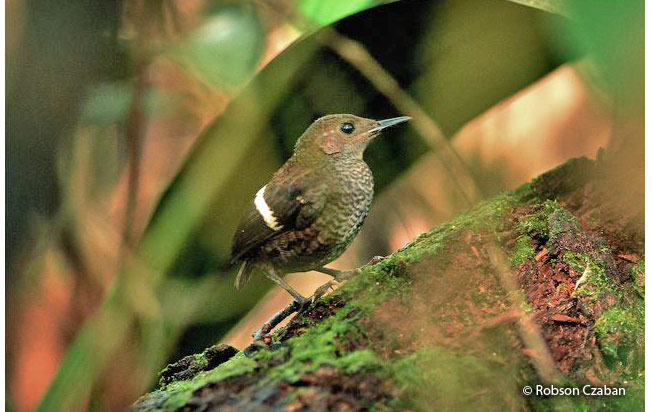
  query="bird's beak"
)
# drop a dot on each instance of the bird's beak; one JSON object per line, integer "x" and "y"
{"x": 383, "y": 124}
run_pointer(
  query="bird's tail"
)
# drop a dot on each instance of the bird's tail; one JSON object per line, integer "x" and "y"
{"x": 244, "y": 274}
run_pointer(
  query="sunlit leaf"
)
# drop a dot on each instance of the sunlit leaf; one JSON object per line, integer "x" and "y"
{"x": 326, "y": 12}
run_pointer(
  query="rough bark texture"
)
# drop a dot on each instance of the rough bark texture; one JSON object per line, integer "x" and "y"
{"x": 433, "y": 326}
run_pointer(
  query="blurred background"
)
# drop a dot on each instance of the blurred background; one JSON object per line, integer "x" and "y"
{"x": 138, "y": 132}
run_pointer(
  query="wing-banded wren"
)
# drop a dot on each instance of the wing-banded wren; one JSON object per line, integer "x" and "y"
{"x": 313, "y": 206}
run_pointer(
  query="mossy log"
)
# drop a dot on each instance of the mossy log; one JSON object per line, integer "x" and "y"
{"x": 436, "y": 325}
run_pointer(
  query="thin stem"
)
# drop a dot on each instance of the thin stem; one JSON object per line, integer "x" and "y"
{"x": 134, "y": 132}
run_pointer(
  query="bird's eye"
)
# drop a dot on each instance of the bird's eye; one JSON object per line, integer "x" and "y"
{"x": 347, "y": 128}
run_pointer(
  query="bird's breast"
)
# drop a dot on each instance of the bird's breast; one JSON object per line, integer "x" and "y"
{"x": 351, "y": 195}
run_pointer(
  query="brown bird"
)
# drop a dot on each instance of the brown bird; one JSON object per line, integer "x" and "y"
{"x": 313, "y": 206}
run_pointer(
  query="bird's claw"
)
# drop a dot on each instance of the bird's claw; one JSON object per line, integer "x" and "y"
{"x": 321, "y": 291}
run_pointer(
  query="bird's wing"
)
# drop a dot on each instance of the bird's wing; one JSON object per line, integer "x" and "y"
{"x": 278, "y": 208}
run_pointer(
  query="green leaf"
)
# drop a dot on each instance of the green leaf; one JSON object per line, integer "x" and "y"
{"x": 326, "y": 12}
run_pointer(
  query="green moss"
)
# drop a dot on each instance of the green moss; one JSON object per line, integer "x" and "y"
{"x": 537, "y": 224}
{"x": 200, "y": 358}
{"x": 597, "y": 282}
{"x": 480, "y": 298}
{"x": 620, "y": 332}
{"x": 544, "y": 224}
{"x": 522, "y": 252}
{"x": 320, "y": 345}
{"x": 524, "y": 191}
{"x": 560, "y": 220}
{"x": 176, "y": 394}
{"x": 578, "y": 261}
{"x": 635, "y": 398}
{"x": 638, "y": 277}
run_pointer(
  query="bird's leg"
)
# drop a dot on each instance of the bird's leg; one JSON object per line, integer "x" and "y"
{"x": 338, "y": 276}
{"x": 272, "y": 275}
{"x": 298, "y": 303}
{"x": 330, "y": 272}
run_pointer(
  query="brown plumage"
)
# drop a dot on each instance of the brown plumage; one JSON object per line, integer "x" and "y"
{"x": 313, "y": 206}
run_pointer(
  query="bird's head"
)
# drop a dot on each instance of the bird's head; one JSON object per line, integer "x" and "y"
{"x": 343, "y": 134}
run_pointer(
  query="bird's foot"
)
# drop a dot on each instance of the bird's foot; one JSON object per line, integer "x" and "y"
{"x": 321, "y": 291}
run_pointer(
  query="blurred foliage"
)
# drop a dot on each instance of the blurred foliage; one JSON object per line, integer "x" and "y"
{"x": 225, "y": 49}
{"x": 47, "y": 78}
{"x": 77, "y": 83}
{"x": 612, "y": 34}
